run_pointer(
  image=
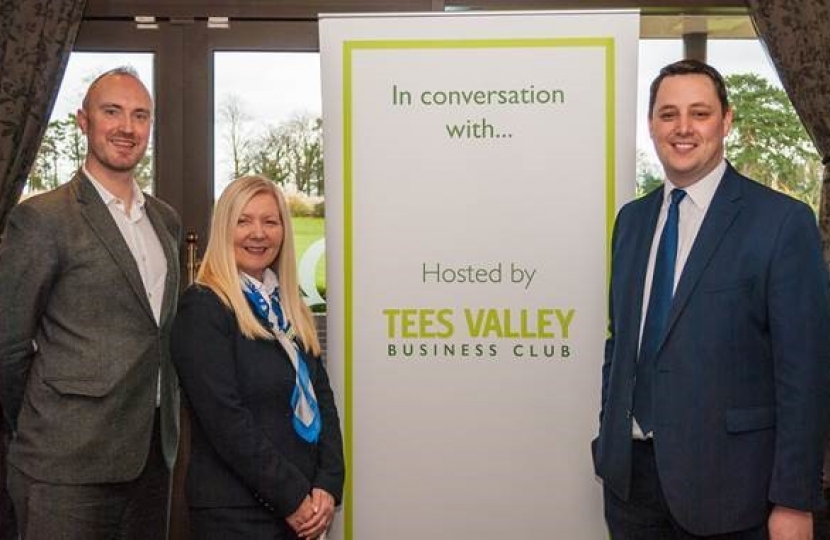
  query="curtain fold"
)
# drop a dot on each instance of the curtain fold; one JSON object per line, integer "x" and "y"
{"x": 36, "y": 38}
{"x": 796, "y": 37}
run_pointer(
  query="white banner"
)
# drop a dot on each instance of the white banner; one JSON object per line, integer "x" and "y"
{"x": 474, "y": 164}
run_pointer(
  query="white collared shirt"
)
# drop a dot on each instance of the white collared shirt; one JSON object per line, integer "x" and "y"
{"x": 141, "y": 238}
{"x": 693, "y": 209}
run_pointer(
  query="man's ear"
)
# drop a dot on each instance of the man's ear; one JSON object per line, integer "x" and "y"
{"x": 727, "y": 121}
{"x": 82, "y": 120}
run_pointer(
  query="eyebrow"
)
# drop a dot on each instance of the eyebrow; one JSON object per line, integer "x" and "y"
{"x": 666, "y": 108}
{"x": 117, "y": 106}
{"x": 695, "y": 105}
{"x": 251, "y": 214}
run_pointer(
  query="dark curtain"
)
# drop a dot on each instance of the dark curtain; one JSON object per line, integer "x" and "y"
{"x": 36, "y": 37}
{"x": 797, "y": 40}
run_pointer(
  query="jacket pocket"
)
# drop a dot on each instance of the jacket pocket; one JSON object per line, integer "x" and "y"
{"x": 751, "y": 419}
{"x": 736, "y": 285}
{"x": 79, "y": 387}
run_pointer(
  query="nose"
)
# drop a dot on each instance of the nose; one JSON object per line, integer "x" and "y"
{"x": 126, "y": 123}
{"x": 258, "y": 231}
{"x": 684, "y": 124}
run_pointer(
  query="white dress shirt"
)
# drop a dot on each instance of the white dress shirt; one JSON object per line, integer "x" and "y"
{"x": 693, "y": 209}
{"x": 142, "y": 240}
{"x": 144, "y": 245}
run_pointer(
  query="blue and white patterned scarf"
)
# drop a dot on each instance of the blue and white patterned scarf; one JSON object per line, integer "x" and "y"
{"x": 265, "y": 302}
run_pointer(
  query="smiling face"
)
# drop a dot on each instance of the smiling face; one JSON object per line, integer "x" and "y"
{"x": 688, "y": 126}
{"x": 258, "y": 235}
{"x": 116, "y": 119}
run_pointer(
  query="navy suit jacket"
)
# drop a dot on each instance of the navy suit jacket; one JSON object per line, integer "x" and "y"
{"x": 244, "y": 450}
{"x": 742, "y": 376}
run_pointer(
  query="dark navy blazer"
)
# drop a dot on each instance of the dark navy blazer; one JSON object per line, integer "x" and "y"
{"x": 244, "y": 448}
{"x": 741, "y": 388}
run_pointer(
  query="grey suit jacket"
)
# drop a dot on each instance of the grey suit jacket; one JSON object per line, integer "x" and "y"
{"x": 80, "y": 350}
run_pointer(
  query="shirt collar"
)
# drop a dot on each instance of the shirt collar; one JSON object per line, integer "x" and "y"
{"x": 701, "y": 192}
{"x": 268, "y": 284}
{"x": 108, "y": 197}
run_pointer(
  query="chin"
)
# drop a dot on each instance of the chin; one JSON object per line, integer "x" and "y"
{"x": 122, "y": 168}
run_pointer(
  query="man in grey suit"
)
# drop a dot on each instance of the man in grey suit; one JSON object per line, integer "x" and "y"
{"x": 89, "y": 277}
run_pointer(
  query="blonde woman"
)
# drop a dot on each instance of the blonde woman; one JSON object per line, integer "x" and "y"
{"x": 267, "y": 453}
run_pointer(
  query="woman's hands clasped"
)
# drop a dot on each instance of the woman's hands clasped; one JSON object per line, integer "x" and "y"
{"x": 314, "y": 515}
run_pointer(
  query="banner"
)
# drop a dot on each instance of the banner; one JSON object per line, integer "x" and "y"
{"x": 474, "y": 164}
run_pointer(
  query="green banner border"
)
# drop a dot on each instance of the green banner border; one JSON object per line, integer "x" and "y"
{"x": 349, "y": 47}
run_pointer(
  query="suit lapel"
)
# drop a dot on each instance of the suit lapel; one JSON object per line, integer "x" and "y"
{"x": 100, "y": 220}
{"x": 643, "y": 231}
{"x": 632, "y": 249}
{"x": 725, "y": 207}
{"x": 168, "y": 244}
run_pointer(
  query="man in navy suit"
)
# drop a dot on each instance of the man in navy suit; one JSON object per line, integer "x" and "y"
{"x": 718, "y": 431}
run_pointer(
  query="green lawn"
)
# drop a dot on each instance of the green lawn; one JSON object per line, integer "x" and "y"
{"x": 307, "y": 231}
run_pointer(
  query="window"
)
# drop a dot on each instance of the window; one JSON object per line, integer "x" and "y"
{"x": 268, "y": 120}
{"x": 783, "y": 156}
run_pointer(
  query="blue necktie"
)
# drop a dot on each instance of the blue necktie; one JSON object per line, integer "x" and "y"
{"x": 659, "y": 304}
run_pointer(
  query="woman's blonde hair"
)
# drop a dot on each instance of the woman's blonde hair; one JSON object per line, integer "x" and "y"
{"x": 218, "y": 270}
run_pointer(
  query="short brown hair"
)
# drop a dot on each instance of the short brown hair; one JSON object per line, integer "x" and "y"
{"x": 689, "y": 67}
